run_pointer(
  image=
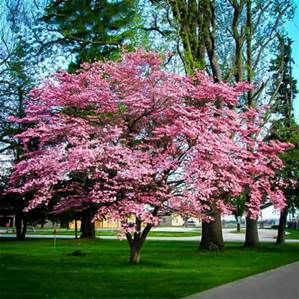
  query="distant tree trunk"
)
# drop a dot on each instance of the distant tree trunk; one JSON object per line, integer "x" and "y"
{"x": 76, "y": 229}
{"x": 238, "y": 223}
{"x": 64, "y": 224}
{"x": 251, "y": 236}
{"x": 87, "y": 226}
{"x": 21, "y": 225}
{"x": 238, "y": 227}
{"x": 42, "y": 221}
{"x": 212, "y": 238}
{"x": 282, "y": 226}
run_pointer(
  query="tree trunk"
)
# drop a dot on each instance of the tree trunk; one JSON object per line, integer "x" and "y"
{"x": 64, "y": 224}
{"x": 238, "y": 220}
{"x": 136, "y": 243}
{"x": 212, "y": 238}
{"x": 87, "y": 226}
{"x": 249, "y": 60}
{"x": 282, "y": 226}
{"x": 238, "y": 227}
{"x": 137, "y": 240}
{"x": 21, "y": 226}
{"x": 251, "y": 236}
{"x": 76, "y": 229}
{"x": 135, "y": 255}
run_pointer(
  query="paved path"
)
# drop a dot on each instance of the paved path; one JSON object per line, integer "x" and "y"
{"x": 265, "y": 235}
{"x": 280, "y": 283}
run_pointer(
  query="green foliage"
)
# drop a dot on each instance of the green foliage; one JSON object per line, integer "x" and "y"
{"x": 284, "y": 83}
{"x": 121, "y": 108}
{"x": 285, "y": 128}
{"x": 16, "y": 82}
{"x": 239, "y": 205}
{"x": 91, "y": 30}
{"x": 290, "y": 172}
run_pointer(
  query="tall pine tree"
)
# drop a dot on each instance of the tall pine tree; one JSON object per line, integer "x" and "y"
{"x": 90, "y": 29}
{"x": 285, "y": 127}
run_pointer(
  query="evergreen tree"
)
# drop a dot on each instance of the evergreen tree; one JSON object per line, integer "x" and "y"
{"x": 284, "y": 85}
{"x": 91, "y": 29}
{"x": 285, "y": 127}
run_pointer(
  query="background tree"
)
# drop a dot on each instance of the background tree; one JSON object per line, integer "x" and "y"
{"x": 285, "y": 127}
{"x": 232, "y": 41}
{"x": 90, "y": 30}
{"x": 18, "y": 69}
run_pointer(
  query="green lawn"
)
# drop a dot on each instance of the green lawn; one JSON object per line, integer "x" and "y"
{"x": 243, "y": 230}
{"x": 34, "y": 269}
{"x": 292, "y": 234}
{"x": 114, "y": 233}
{"x": 174, "y": 234}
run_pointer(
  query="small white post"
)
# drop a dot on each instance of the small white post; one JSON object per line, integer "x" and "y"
{"x": 54, "y": 239}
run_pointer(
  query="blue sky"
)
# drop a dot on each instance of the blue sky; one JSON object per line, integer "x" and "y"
{"x": 293, "y": 33}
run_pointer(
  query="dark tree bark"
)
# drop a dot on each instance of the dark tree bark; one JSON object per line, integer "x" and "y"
{"x": 238, "y": 219}
{"x": 251, "y": 236}
{"x": 87, "y": 226}
{"x": 249, "y": 53}
{"x": 209, "y": 32}
{"x": 190, "y": 21}
{"x": 136, "y": 241}
{"x": 76, "y": 229}
{"x": 238, "y": 36}
{"x": 282, "y": 226}
{"x": 135, "y": 254}
{"x": 64, "y": 224}
{"x": 21, "y": 225}
{"x": 212, "y": 238}
{"x": 238, "y": 227}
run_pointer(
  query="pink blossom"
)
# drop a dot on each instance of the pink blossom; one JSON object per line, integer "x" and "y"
{"x": 129, "y": 139}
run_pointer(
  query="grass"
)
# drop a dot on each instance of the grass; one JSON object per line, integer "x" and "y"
{"x": 175, "y": 234}
{"x": 292, "y": 234}
{"x": 100, "y": 269}
{"x": 236, "y": 232}
{"x": 113, "y": 233}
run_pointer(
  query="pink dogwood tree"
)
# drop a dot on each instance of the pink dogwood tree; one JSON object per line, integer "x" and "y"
{"x": 133, "y": 141}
